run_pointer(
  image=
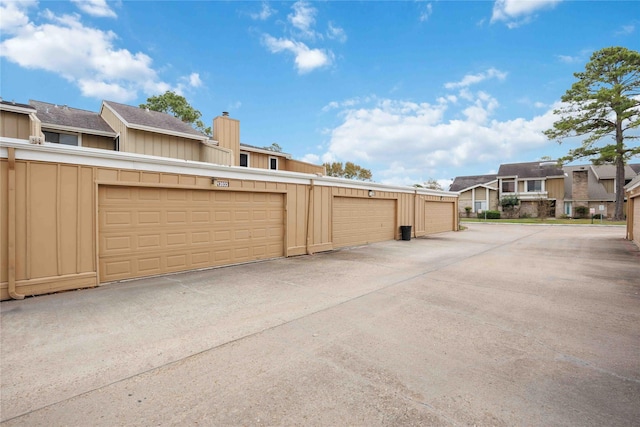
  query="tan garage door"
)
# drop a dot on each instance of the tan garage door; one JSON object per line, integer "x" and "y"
{"x": 148, "y": 231}
{"x": 636, "y": 220}
{"x": 361, "y": 221}
{"x": 438, "y": 217}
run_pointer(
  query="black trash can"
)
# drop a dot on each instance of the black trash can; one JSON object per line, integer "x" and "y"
{"x": 405, "y": 230}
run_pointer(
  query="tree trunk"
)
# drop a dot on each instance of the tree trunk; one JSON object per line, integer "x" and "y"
{"x": 619, "y": 212}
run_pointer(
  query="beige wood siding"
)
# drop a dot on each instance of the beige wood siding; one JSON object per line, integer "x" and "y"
{"x": 95, "y": 141}
{"x": 358, "y": 221}
{"x": 216, "y": 155}
{"x": 56, "y": 221}
{"x": 155, "y": 144}
{"x": 609, "y": 185}
{"x": 14, "y": 125}
{"x": 439, "y": 217}
{"x": 302, "y": 167}
{"x": 635, "y": 202}
{"x": 149, "y": 231}
{"x": 555, "y": 188}
{"x": 117, "y": 125}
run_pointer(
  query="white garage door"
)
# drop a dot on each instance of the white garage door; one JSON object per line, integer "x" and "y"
{"x": 358, "y": 221}
{"x": 149, "y": 231}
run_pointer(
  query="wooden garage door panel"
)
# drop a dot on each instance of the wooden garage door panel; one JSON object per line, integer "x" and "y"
{"x": 438, "y": 217}
{"x": 148, "y": 231}
{"x": 636, "y": 220}
{"x": 358, "y": 221}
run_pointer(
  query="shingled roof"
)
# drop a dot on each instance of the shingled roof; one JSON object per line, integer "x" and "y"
{"x": 544, "y": 169}
{"x": 461, "y": 183}
{"x": 15, "y": 104}
{"x": 144, "y": 119}
{"x": 63, "y": 117}
{"x": 609, "y": 171}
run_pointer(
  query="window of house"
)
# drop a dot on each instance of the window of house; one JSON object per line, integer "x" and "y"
{"x": 273, "y": 163}
{"x": 61, "y": 138}
{"x": 508, "y": 186}
{"x": 244, "y": 160}
{"x": 535, "y": 185}
{"x": 480, "y": 205}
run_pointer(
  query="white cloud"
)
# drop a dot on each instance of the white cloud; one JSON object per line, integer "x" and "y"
{"x": 311, "y": 158}
{"x": 265, "y": 12}
{"x": 303, "y": 18}
{"x": 471, "y": 79}
{"x": 625, "y": 30}
{"x": 407, "y": 142}
{"x": 426, "y": 12}
{"x": 13, "y": 15}
{"x": 98, "y": 8}
{"x": 519, "y": 12}
{"x": 85, "y": 56}
{"x": 336, "y": 33}
{"x": 194, "y": 80}
{"x": 306, "y": 59}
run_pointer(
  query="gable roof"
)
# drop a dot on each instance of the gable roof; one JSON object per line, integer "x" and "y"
{"x": 635, "y": 167}
{"x": 61, "y": 117}
{"x": 461, "y": 183}
{"x": 609, "y": 171}
{"x": 546, "y": 169}
{"x": 153, "y": 121}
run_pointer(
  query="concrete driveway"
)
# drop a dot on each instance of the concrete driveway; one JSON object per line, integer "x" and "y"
{"x": 494, "y": 325}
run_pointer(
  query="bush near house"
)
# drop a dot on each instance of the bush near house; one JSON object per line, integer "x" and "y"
{"x": 581, "y": 211}
{"x": 492, "y": 214}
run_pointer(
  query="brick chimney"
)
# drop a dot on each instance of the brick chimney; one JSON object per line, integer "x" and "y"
{"x": 227, "y": 132}
{"x": 580, "y": 187}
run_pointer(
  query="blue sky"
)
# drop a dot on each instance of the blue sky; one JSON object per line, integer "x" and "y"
{"x": 409, "y": 89}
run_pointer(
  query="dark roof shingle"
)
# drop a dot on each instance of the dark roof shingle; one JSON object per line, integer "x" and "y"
{"x": 153, "y": 119}
{"x": 59, "y": 115}
{"x": 530, "y": 170}
{"x": 462, "y": 182}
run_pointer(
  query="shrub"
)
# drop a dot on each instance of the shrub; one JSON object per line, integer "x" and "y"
{"x": 582, "y": 211}
{"x": 492, "y": 214}
{"x": 598, "y": 216}
{"x": 467, "y": 210}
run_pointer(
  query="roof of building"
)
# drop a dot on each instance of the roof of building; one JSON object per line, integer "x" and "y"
{"x": 635, "y": 167}
{"x": 609, "y": 171}
{"x": 153, "y": 120}
{"x": 461, "y": 183}
{"x": 595, "y": 189}
{"x": 543, "y": 169}
{"x": 635, "y": 182}
{"x": 61, "y": 116}
{"x": 15, "y": 104}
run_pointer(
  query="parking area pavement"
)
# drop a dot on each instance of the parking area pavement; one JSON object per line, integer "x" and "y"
{"x": 494, "y": 325}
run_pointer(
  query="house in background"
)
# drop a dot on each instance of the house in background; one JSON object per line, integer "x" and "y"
{"x": 538, "y": 185}
{"x": 543, "y": 185}
{"x": 125, "y": 128}
{"x": 477, "y": 193}
{"x": 594, "y": 187}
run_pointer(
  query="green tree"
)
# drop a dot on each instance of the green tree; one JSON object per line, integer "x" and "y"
{"x": 275, "y": 147}
{"x": 349, "y": 170}
{"x": 603, "y": 102}
{"x": 177, "y": 105}
{"x": 431, "y": 184}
